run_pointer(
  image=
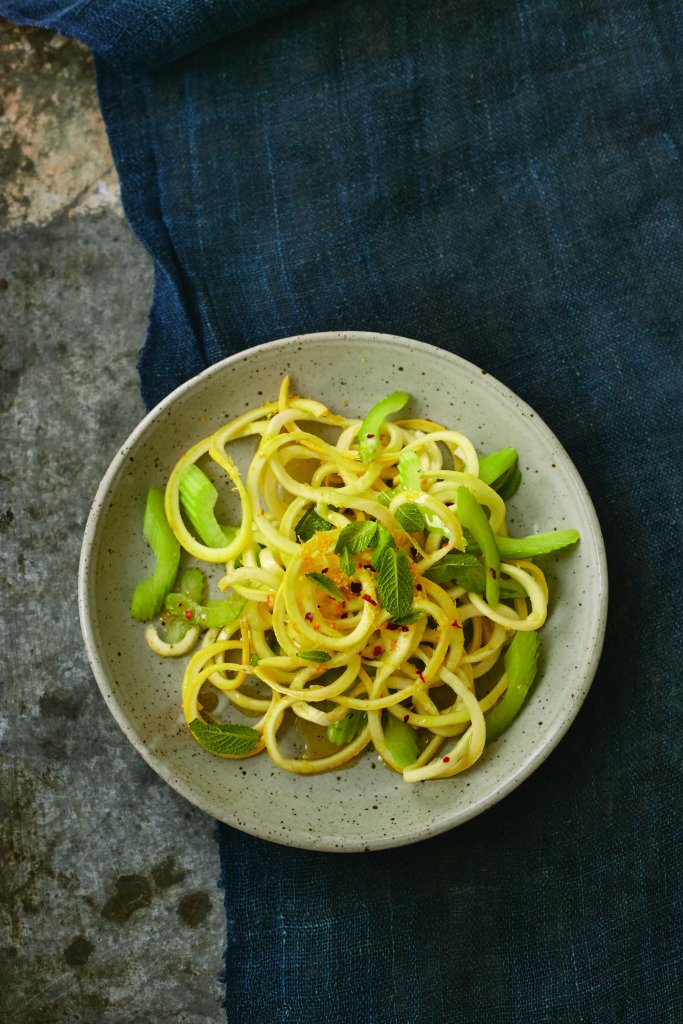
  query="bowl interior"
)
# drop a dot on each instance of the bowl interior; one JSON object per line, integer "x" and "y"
{"x": 366, "y": 806}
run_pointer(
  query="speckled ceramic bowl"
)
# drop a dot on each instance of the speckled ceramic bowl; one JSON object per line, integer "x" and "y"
{"x": 366, "y": 806}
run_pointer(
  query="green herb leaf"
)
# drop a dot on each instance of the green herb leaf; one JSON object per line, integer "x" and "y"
{"x": 325, "y": 584}
{"x": 386, "y": 497}
{"x": 467, "y": 571}
{"x": 413, "y": 616}
{"x": 411, "y": 517}
{"x": 233, "y": 740}
{"x": 310, "y": 524}
{"x": 395, "y": 583}
{"x": 348, "y": 562}
{"x": 357, "y": 536}
{"x": 318, "y": 656}
{"x": 384, "y": 541}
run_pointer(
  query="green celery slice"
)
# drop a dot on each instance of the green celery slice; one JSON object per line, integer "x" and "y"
{"x": 401, "y": 741}
{"x": 198, "y": 498}
{"x": 148, "y": 596}
{"x": 369, "y": 433}
{"x": 521, "y": 660}
{"x": 472, "y": 517}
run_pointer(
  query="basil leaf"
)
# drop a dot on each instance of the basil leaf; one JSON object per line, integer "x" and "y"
{"x": 233, "y": 740}
{"x": 411, "y": 517}
{"x": 395, "y": 583}
{"x": 310, "y": 524}
{"x": 328, "y": 586}
{"x": 314, "y": 655}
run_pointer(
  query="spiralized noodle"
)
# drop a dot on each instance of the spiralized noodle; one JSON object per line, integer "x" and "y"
{"x": 301, "y": 652}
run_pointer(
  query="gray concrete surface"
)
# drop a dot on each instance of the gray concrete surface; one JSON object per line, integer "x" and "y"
{"x": 109, "y": 907}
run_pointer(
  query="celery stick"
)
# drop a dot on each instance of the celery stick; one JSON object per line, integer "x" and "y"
{"x": 495, "y": 465}
{"x": 213, "y": 614}
{"x": 535, "y": 544}
{"x": 409, "y": 470}
{"x": 198, "y": 497}
{"x": 401, "y": 741}
{"x": 347, "y": 728}
{"x": 521, "y": 659}
{"x": 472, "y": 517}
{"x": 149, "y": 594}
{"x": 368, "y": 435}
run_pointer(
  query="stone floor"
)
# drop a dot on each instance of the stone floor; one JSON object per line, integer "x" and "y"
{"x": 109, "y": 908}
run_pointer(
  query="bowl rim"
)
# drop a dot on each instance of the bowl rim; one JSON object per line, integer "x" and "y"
{"x": 303, "y": 840}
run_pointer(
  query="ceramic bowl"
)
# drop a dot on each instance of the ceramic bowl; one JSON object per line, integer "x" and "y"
{"x": 366, "y": 806}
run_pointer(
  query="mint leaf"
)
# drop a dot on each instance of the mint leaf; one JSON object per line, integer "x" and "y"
{"x": 413, "y": 616}
{"x": 314, "y": 655}
{"x": 233, "y": 740}
{"x": 328, "y": 586}
{"x": 386, "y": 497}
{"x": 395, "y": 583}
{"x": 411, "y": 517}
{"x": 468, "y": 571}
{"x": 356, "y": 536}
{"x": 348, "y": 562}
{"x": 310, "y": 524}
{"x": 384, "y": 541}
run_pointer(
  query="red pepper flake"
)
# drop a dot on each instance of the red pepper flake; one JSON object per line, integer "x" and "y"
{"x": 406, "y": 718}
{"x": 326, "y": 570}
{"x": 492, "y": 571}
{"x": 369, "y": 436}
{"x": 309, "y": 616}
{"x": 456, "y": 625}
{"x": 445, "y": 759}
{"x": 391, "y": 625}
{"x": 421, "y": 678}
{"x": 188, "y": 613}
{"x": 377, "y": 651}
{"x": 404, "y": 629}
{"x": 418, "y": 586}
{"x": 366, "y": 597}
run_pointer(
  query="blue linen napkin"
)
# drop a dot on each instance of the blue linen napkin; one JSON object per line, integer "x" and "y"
{"x": 502, "y": 179}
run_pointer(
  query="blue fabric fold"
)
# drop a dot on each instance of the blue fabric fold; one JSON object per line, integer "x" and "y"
{"x": 144, "y": 33}
{"x": 503, "y": 180}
